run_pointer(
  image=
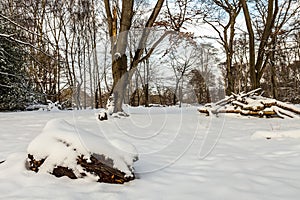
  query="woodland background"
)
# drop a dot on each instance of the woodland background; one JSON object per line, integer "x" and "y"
{"x": 60, "y": 51}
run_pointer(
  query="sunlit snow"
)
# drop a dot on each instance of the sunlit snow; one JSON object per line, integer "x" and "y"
{"x": 182, "y": 155}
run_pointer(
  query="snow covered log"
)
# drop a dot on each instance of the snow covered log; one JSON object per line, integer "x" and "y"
{"x": 66, "y": 150}
{"x": 251, "y": 104}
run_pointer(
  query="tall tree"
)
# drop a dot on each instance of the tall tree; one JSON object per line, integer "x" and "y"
{"x": 119, "y": 20}
{"x": 182, "y": 59}
{"x": 15, "y": 88}
{"x": 225, "y": 16}
{"x": 118, "y": 31}
{"x": 274, "y": 15}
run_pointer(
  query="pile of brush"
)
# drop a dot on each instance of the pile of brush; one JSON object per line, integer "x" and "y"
{"x": 252, "y": 104}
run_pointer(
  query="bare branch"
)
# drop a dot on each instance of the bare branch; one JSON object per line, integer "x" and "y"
{"x": 147, "y": 56}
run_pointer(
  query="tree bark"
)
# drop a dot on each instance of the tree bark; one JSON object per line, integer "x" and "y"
{"x": 120, "y": 77}
{"x": 119, "y": 43}
{"x": 252, "y": 56}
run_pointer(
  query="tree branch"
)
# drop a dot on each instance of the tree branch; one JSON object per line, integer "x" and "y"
{"x": 155, "y": 45}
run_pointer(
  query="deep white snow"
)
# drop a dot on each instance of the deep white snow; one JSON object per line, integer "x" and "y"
{"x": 182, "y": 155}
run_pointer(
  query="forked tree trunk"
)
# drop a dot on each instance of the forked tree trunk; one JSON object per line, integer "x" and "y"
{"x": 257, "y": 63}
{"x": 119, "y": 42}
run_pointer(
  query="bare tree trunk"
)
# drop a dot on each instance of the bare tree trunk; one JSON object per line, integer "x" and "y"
{"x": 146, "y": 85}
{"x": 232, "y": 9}
{"x": 175, "y": 92}
{"x": 273, "y": 66}
{"x": 84, "y": 80}
{"x": 251, "y": 44}
{"x": 258, "y": 64}
{"x": 118, "y": 48}
{"x": 120, "y": 77}
{"x": 119, "y": 43}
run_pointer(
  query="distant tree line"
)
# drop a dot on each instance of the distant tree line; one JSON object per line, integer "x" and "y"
{"x": 56, "y": 43}
{"x": 68, "y": 51}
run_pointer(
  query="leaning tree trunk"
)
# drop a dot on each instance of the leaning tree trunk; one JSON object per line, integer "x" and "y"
{"x": 252, "y": 56}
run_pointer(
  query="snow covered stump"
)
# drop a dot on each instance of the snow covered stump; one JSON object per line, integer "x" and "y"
{"x": 110, "y": 106}
{"x": 65, "y": 150}
{"x": 102, "y": 116}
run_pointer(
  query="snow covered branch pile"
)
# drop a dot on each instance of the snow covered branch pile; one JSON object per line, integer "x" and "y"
{"x": 63, "y": 149}
{"x": 251, "y": 104}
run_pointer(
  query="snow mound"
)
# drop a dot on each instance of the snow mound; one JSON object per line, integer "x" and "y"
{"x": 276, "y": 134}
{"x": 60, "y": 143}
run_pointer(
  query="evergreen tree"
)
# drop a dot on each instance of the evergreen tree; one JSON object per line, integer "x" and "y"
{"x": 14, "y": 84}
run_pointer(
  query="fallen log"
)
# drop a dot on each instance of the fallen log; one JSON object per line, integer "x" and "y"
{"x": 268, "y": 102}
{"x": 240, "y": 104}
{"x": 288, "y": 107}
{"x": 284, "y": 113}
{"x": 226, "y": 111}
{"x": 203, "y": 110}
{"x": 248, "y": 112}
{"x": 224, "y": 101}
{"x": 262, "y": 113}
{"x": 250, "y": 93}
{"x": 253, "y": 105}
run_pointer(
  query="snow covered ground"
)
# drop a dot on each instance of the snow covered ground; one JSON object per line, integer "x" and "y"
{"x": 182, "y": 155}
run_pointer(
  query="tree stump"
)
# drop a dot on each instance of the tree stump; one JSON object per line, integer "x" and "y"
{"x": 102, "y": 116}
{"x": 96, "y": 165}
{"x": 63, "y": 150}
